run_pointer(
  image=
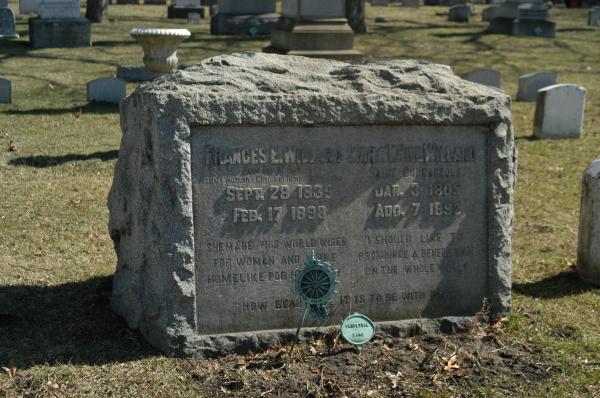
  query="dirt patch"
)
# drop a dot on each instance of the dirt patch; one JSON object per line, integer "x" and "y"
{"x": 387, "y": 367}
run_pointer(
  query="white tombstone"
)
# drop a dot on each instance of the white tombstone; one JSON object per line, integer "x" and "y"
{"x": 106, "y": 89}
{"x": 485, "y": 76}
{"x": 5, "y": 91}
{"x": 559, "y": 111}
{"x": 313, "y": 9}
{"x": 29, "y": 6}
{"x": 59, "y": 9}
{"x": 530, "y": 83}
{"x": 243, "y": 7}
{"x": 588, "y": 249}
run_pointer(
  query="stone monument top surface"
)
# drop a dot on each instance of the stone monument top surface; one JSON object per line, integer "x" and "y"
{"x": 59, "y": 9}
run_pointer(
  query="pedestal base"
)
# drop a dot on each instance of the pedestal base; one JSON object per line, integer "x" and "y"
{"x": 59, "y": 33}
{"x": 243, "y": 25}
{"x": 174, "y": 12}
{"x": 323, "y": 38}
{"x": 523, "y": 27}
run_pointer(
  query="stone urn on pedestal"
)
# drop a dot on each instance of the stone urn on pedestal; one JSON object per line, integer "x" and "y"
{"x": 160, "y": 48}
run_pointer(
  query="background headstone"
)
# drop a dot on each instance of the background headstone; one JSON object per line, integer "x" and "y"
{"x": 559, "y": 111}
{"x": 522, "y": 18}
{"x": 243, "y": 18}
{"x": 355, "y": 14}
{"x": 588, "y": 249}
{"x": 7, "y": 24}
{"x": 594, "y": 16}
{"x": 182, "y": 8}
{"x": 459, "y": 13}
{"x": 313, "y": 28}
{"x": 28, "y": 6}
{"x": 193, "y": 18}
{"x": 3, "y": 3}
{"x": 59, "y": 9}
{"x": 211, "y": 221}
{"x": 106, "y": 89}
{"x": 530, "y": 83}
{"x": 485, "y": 76}
{"x": 5, "y": 91}
{"x": 380, "y": 3}
{"x": 412, "y": 3}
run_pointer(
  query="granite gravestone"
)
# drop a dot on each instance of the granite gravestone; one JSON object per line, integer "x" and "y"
{"x": 59, "y": 25}
{"x": 530, "y": 83}
{"x": 5, "y": 91}
{"x": 28, "y": 6}
{"x": 559, "y": 111}
{"x": 244, "y": 18}
{"x": 313, "y": 28}
{"x": 230, "y": 173}
{"x": 594, "y": 16}
{"x": 7, "y": 24}
{"x": 459, "y": 13}
{"x": 588, "y": 250}
{"x": 485, "y": 76}
{"x": 522, "y": 18}
{"x": 181, "y": 8}
{"x": 106, "y": 89}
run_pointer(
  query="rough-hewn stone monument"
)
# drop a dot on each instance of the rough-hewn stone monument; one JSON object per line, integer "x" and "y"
{"x": 231, "y": 172}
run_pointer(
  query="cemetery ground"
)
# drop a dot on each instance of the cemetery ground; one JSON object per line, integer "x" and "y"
{"x": 59, "y": 338}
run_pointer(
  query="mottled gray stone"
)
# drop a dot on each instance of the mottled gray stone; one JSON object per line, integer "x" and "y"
{"x": 485, "y": 76}
{"x": 106, "y": 89}
{"x": 588, "y": 250}
{"x": 7, "y": 24}
{"x": 5, "y": 91}
{"x": 530, "y": 83}
{"x": 134, "y": 73}
{"x": 559, "y": 111}
{"x": 183, "y": 233}
{"x": 594, "y": 16}
{"x": 59, "y": 33}
{"x": 459, "y": 13}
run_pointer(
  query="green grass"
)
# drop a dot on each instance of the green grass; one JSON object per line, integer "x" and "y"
{"x": 56, "y": 257}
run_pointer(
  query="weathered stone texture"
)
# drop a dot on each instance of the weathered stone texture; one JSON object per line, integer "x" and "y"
{"x": 159, "y": 234}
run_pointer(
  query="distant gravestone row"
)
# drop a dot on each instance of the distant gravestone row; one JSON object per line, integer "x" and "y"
{"x": 559, "y": 107}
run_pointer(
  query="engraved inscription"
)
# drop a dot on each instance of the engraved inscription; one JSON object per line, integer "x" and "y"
{"x": 400, "y": 211}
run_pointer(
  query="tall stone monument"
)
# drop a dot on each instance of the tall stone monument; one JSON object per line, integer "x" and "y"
{"x": 313, "y": 28}
{"x": 59, "y": 25}
{"x": 244, "y": 18}
{"x": 522, "y": 18}
{"x": 231, "y": 173}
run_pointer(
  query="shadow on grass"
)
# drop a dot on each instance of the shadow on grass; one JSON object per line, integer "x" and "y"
{"x": 566, "y": 283}
{"x": 43, "y": 161}
{"x": 69, "y": 323}
{"x": 91, "y": 107}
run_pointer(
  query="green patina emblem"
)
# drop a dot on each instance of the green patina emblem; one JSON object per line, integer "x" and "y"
{"x": 358, "y": 330}
{"x": 315, "y": 285}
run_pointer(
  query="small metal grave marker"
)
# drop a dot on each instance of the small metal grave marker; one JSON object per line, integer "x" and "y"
{"x": 358, "y": 330}
{"x": 314, "y": 284}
